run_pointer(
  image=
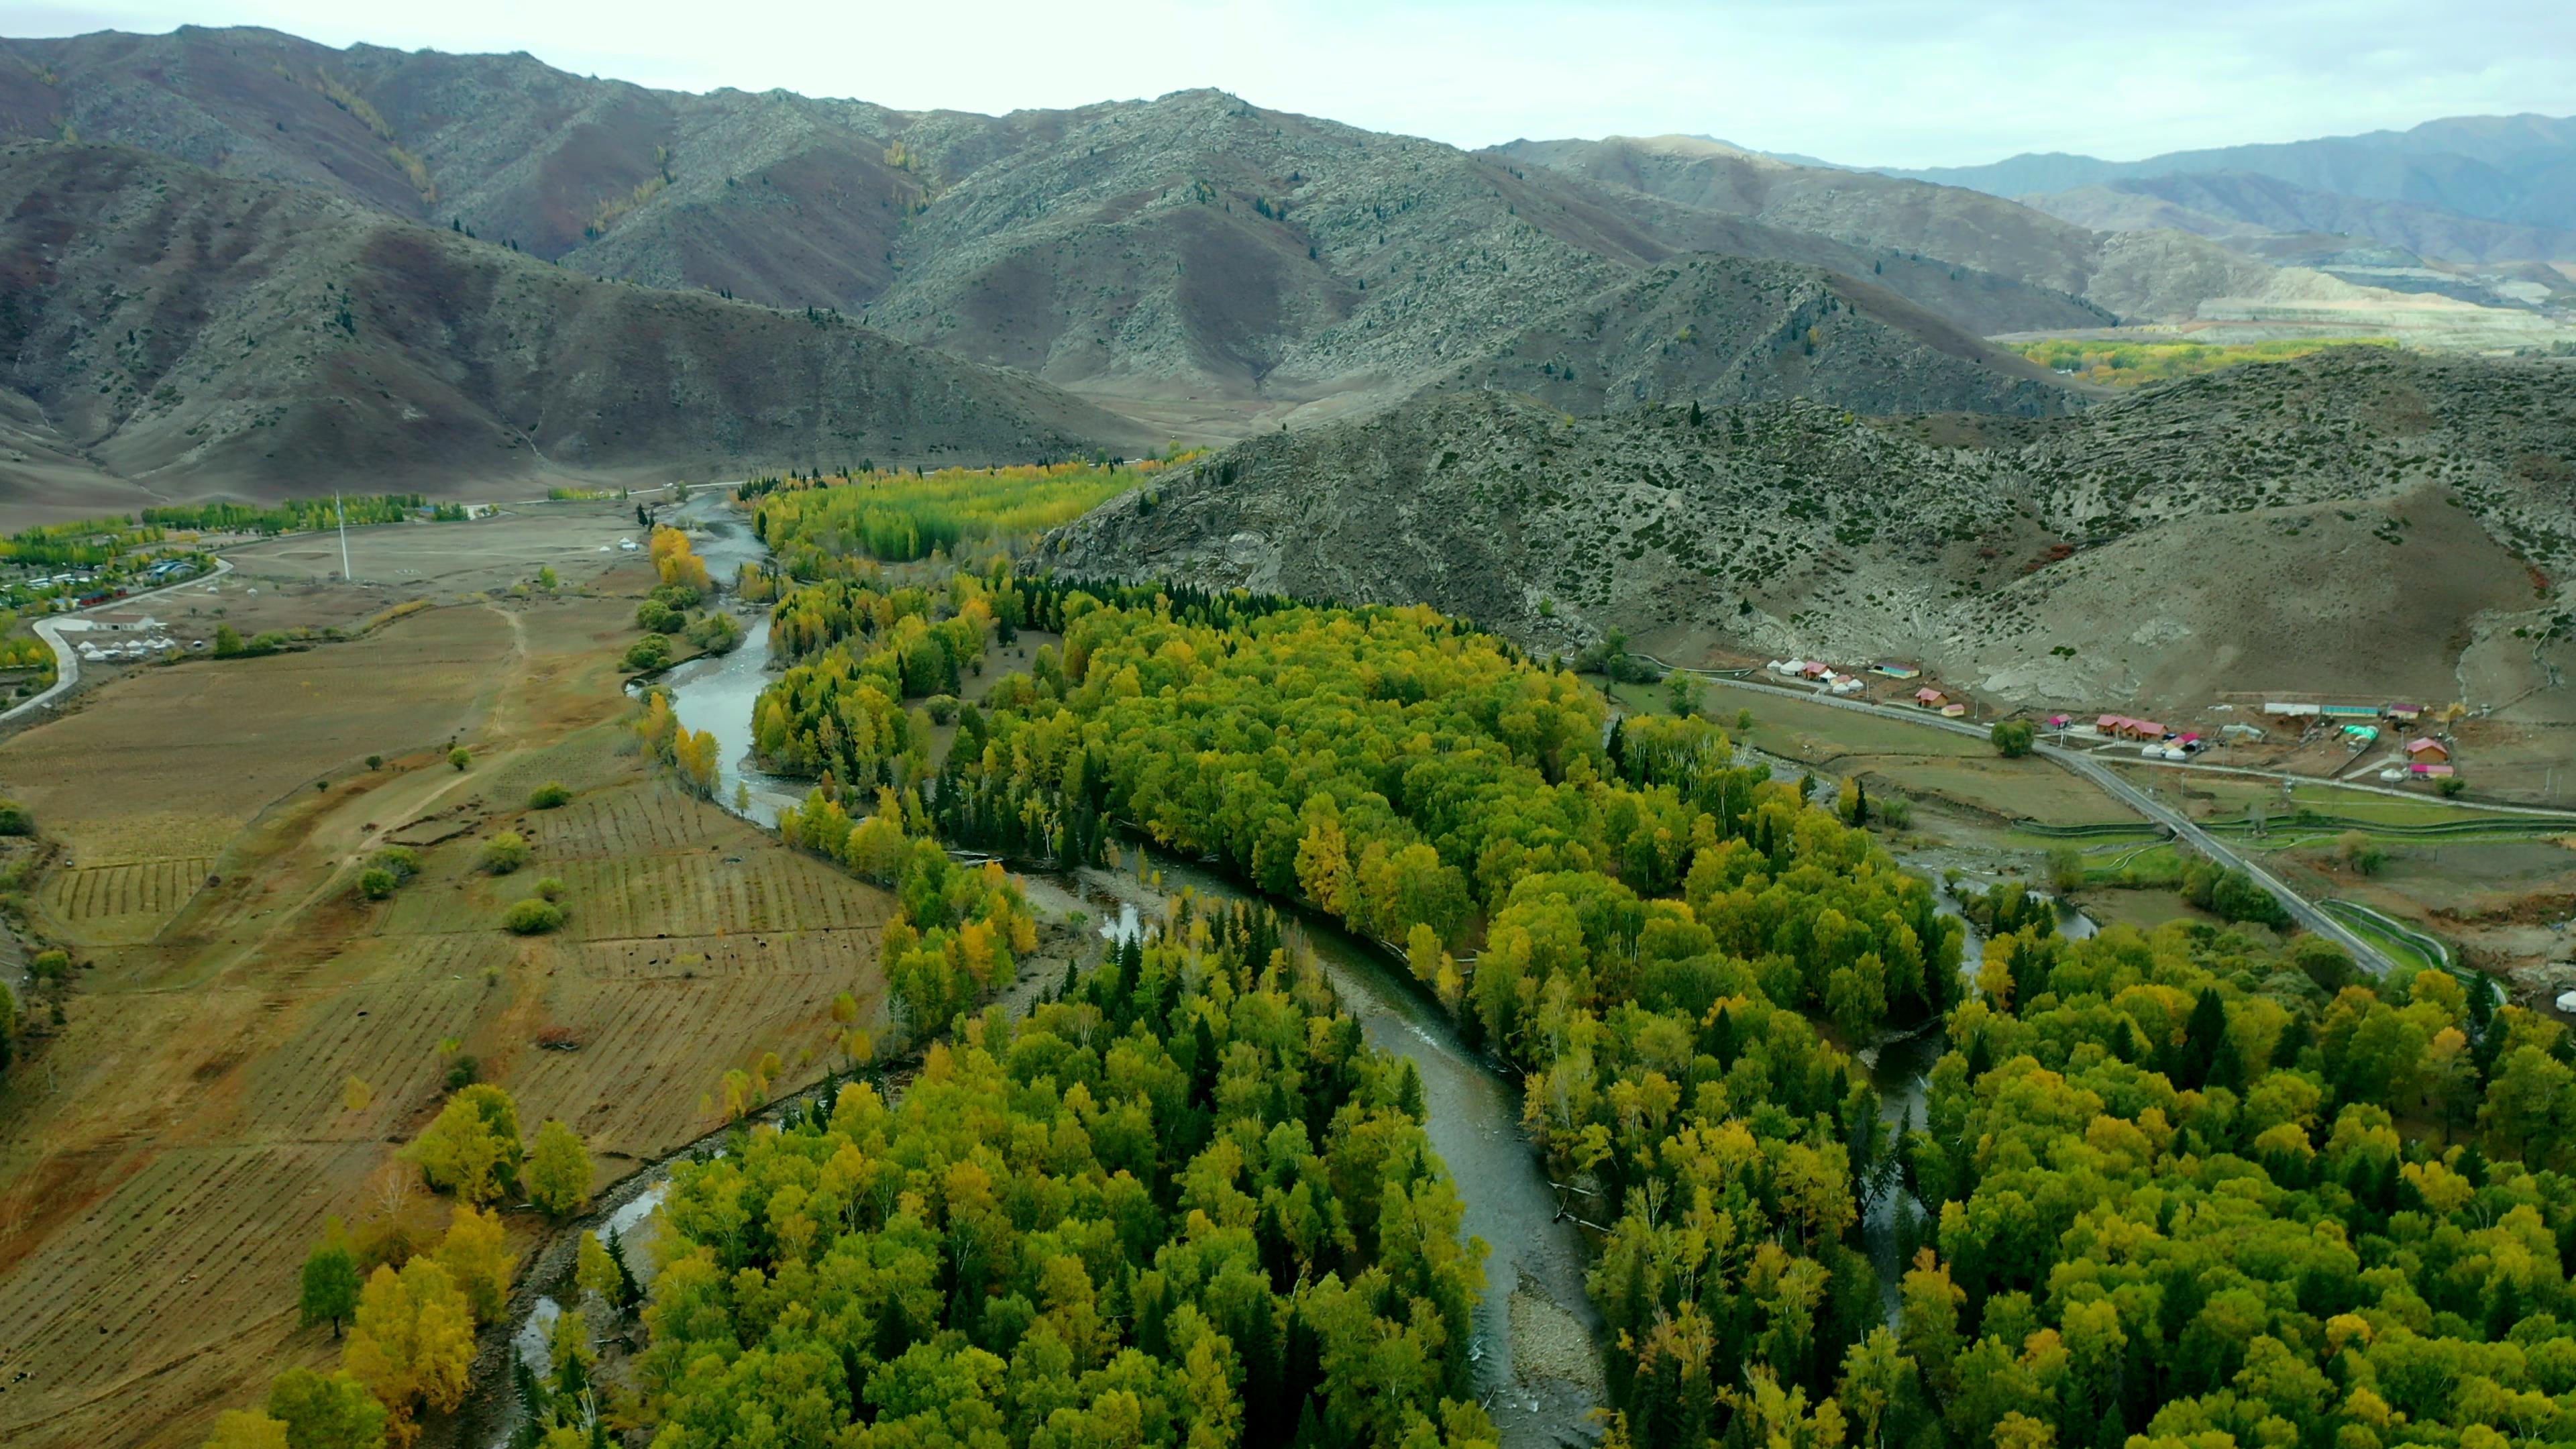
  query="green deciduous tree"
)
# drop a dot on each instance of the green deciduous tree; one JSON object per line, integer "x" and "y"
{"x": 326, "y": 1411}
{"x": 330, "y": 1285}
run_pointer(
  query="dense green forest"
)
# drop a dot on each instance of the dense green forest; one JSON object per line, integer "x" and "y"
{"x": 826, "y": 525}
{"x": 2190, "y": 1189}
{"x": 2195, "y": 1186}
{"x": 1181, "y": 1203}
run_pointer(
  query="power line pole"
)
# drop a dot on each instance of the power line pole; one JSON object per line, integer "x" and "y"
{"x": 342, "y": 509}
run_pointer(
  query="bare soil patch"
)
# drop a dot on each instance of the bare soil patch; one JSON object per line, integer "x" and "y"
{"x": 169, "y": 1154}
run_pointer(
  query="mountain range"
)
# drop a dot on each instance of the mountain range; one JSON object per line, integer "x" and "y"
{"x": 480, "y": 268}
{"x": 2518, "y": 171}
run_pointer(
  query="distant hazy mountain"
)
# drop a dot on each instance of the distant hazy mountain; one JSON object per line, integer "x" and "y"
{"x": 2519, "y": 169}
{"x": 2243, "y": 203}
{"x": 2161, "y": 280}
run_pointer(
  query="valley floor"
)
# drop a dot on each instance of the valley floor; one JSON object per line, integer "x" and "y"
{"x": 170, "y": 1150}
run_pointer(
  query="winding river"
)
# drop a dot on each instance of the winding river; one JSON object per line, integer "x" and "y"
{"x": 1538, "y": 1338}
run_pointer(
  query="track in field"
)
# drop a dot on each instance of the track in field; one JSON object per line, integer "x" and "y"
{"x": 125, "y": 902}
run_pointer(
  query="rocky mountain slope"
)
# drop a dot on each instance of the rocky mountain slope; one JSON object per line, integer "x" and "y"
{"x": 2243, "y": 203}
{"x": 197, "y": 332}
{"x": 2149, "y": 261}
{"x": 1956, "y": 225}
{"x": 2519, "y": 169}
{"x": 1718, "y": 330}
{"x": 2363, "y": 521}
{"x": 1191, "y": 246}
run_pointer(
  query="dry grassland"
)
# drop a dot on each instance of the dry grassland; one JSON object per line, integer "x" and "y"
{"x": 167, "y": 1157}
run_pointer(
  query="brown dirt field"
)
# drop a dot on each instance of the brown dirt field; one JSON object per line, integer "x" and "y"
{"x": 293, "y": 582}
{"x": 168, "y": 1156}
{"x": 2029, "y": 789}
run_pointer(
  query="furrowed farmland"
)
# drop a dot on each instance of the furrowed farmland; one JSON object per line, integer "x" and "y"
{"x": 248, "y": 1038}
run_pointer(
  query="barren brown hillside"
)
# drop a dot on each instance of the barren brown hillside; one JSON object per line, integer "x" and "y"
{"x": 2373, "y": 522}
{"x": 206, "y": 334}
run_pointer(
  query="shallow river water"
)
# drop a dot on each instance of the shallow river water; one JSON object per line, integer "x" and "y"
{"x": 1538, "y": 1349}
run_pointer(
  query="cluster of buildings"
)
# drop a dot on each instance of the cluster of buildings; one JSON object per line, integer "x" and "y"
{"x": 1817, "y": 672}
{"x": 80, "y": 588}
{"x": 2422, "y": 757}
{"x": 150, "y": 646}
{"x": 2154, "y": 740}
{"x": 1835, "y": 681}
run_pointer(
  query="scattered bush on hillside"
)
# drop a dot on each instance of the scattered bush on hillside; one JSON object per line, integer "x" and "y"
{"x": 505, "y": 852}
{"x": 549, "y": 796}
{"x": 533, "y": 917}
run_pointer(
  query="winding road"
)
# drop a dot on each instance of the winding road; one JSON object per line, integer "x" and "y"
{"x": 67, "y": 660}
{"x": 2085, "y": 767}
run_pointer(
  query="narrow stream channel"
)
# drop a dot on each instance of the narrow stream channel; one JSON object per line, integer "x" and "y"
{"x": 1538, "y": 1337}
{"x": 1537, "y": 1349}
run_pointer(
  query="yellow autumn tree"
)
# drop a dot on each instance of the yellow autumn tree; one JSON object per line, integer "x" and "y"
{"x": 246, "y": 1429}
{"x": 1324, "y": 859}
{"x": 558, "y": 1170}
{"x": 412, "y": 1344}
{"x": 675, "y": 561}
{"x": 476, "y": 1254}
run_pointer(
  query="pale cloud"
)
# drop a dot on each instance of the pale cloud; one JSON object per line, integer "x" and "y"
{"x": 1894, "y": 82}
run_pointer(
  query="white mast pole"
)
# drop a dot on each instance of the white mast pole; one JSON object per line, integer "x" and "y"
{"x": 342, "y": 509}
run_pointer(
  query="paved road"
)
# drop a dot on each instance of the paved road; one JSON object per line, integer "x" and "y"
{"x": 2093, "y": 771}
{"x": 67, "y": 660}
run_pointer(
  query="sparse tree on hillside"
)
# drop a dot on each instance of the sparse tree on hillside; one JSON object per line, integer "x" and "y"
{"x": 473, "y": 1148}
{"x": 330, "y": 1289}
{"x": 413, "y": 1341}
{"x": 559, "y": 1170}
{"x": 476, "y": 1254}
{"x": 460, "y": 757}
{"x": 326, "y": 1411}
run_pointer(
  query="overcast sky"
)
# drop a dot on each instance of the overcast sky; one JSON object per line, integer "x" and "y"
{"x": 1886, "y": 82}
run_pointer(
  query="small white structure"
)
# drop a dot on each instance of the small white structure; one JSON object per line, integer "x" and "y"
{"x": 2567, "y": 1001}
